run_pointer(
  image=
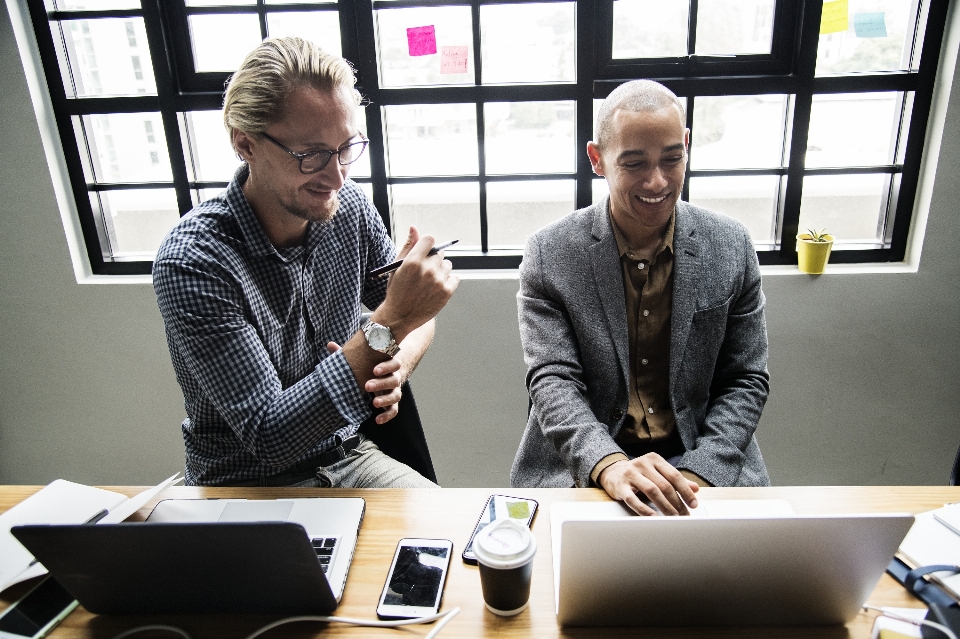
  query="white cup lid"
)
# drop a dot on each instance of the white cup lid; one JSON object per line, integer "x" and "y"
{"x": 504, "y": 544}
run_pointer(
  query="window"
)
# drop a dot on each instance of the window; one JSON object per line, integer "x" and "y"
{"x": 803, "y": 114}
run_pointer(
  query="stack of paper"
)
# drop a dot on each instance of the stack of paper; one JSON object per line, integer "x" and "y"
{"x": 61, "y": 502}
{"x": 935, "y": 539}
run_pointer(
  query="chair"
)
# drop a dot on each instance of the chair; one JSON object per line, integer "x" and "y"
{"x": 955, "y": 475}
{"x": 402, "y": 437}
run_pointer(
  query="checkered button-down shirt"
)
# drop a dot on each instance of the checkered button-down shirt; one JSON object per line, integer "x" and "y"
{"x": 247, "y": 326}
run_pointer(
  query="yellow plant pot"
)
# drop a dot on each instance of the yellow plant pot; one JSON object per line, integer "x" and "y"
{"x": 812, "y": 256}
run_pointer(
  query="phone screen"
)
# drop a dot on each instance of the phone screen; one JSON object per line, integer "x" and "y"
{"x": 416, "y": 579}
{"x": 500, "y": 507}
{"x": 44, "y": 604}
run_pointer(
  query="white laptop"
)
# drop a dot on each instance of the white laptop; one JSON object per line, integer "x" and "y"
{"x": 332, "y": 523}
{"x": 736, "y": 562}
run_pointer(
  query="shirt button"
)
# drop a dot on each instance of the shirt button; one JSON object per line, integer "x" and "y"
{"x": 650, "y": 410}
{"x": 640, "y": 266}
{"x": 644, "y": 362}
{"x": 617, "y": 413}
{"x": 645, "y": 313}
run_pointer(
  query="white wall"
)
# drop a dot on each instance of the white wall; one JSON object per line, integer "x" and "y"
{"x": 864, "y": 367}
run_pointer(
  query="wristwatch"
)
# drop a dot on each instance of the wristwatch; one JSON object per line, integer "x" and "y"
{"x": 380, "y": 338}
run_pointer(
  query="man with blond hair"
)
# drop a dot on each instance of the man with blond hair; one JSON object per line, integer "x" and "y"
{"x": 261, "y": 289}
{"x": 643, "y": 328}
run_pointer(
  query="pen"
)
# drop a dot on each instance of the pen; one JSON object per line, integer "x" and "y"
{"x": 389, "y": 268}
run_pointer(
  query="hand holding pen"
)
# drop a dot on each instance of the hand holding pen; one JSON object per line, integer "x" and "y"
{"x": 392, "y": 266}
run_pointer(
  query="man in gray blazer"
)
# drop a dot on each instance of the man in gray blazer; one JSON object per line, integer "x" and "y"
{"x": 643, "y": 328}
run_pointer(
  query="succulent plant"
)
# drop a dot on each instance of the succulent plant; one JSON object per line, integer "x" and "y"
{"x": 817, "y": 236}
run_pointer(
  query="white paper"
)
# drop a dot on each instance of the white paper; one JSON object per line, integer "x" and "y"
{"x": 135, "y": 503}
{"x": 895, "y": 625}
{"x": 603, "y": 510}
{"x": 929, "y": 542}
{"x": 60, "y": 502}
{"x": 949, "y": 516}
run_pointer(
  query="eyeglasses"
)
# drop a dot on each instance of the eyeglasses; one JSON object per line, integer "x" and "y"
{"x": 316, "y": 160}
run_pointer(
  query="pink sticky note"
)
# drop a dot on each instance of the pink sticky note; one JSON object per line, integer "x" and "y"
{"x": 453, "y": 59}
{"x": 422, "y": 40}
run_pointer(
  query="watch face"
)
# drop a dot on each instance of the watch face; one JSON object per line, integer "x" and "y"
{"x": 378, "y": 337}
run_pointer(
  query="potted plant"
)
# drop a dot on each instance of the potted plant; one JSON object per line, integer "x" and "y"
{"x": 813, "y": 250}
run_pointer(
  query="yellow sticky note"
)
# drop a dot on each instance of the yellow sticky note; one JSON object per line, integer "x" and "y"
{"x": 835, "y": 17}
{"x": 518, "y": 509}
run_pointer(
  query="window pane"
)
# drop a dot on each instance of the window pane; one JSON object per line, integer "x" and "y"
{"x": 600, "y": 189}
{"x": 529, "y": 137}
{"x": 136, "y": 221}
{"x": 878, "y": 37}
{"x": 738, "y": 132}
{"x": 207, "y": 146}
{"x": 127, "y": 147}
{"x": 848, "y": 206}
{"x": 517, "y": 209}
{"x": 96, "y": 5}
{"x": 750, "y": 199}
{"x": 445, "y": 211}
{"x": 109, "y": 56}
{"x": 361, "y": 168}
{"x": 219, "y": 3}
{"x": 528, "y": 42}
{"x": 431, "y": 139}
{"x": 425, "y": 46}
{"x": 321, "y": 27}
{"x": 852, "y": 129}
{"x": 222, "y": 41}
{"x": 734, "y": 26}
{"x": 202, "y": 195}
{"x": 649, "y": 29}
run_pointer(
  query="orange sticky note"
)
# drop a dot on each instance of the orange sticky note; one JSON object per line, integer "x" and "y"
{"x": 453, "y": 59}
{"x": 835, "y": 17}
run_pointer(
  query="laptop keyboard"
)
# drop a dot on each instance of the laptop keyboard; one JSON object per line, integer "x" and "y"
{"x": 324, "y": 547}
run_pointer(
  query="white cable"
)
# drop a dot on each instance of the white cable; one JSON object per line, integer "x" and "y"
{"x": 180, "y": 631}
{"x": 917, "y": 622}
{"x": 447, "y": 616}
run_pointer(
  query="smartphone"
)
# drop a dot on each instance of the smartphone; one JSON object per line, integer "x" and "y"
{"x": 500, "y": 507}
{"x": 37, "y": 612}
{"x": 415, "y": 582}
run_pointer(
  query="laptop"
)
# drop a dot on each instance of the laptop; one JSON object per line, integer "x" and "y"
{"x": 737, "y": 567}
{"x": 196, "y": 556}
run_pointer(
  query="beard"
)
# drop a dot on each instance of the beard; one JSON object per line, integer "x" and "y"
{"x": 322, "y": 213}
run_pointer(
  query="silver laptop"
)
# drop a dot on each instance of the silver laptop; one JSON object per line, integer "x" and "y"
{"x": 332, "y": 523}
{"x": 734, "y": 568}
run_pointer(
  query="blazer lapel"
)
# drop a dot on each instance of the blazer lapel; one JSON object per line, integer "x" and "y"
{"x": 608, "y": 277}
{"x": 686, "y": 267}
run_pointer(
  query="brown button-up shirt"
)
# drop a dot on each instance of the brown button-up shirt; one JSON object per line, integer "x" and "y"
{"x": 648, "y": 289}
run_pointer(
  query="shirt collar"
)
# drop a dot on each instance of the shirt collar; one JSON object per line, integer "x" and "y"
{"x": 666, "y": 242}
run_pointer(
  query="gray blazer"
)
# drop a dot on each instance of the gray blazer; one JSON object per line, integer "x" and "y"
{"x": 573, "y": 324}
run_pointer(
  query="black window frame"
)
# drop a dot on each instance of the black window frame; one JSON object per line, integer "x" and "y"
{"x": 789, "y": 69}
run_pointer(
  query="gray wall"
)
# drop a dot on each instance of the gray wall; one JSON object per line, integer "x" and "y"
{"x": 864, "y": 367}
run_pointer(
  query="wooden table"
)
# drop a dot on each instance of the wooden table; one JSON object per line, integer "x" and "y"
{"x": 450, "y": 514}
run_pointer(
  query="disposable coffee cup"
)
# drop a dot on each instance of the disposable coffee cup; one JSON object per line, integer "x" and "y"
{"x": 505, "y": 550}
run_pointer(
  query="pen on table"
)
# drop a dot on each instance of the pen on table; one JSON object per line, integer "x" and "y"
{"x": 392, "y": 266}
{"x": 97, "y": 517}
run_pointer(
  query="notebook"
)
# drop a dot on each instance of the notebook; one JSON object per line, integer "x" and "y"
{"x": 736, "y": 567}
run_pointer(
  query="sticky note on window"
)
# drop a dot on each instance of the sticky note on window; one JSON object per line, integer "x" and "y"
{"x": 869, "y": 25}
{"x": 453, "y": 59}
{"x": 423, "y": 40}
{"x": 834, "y": 18}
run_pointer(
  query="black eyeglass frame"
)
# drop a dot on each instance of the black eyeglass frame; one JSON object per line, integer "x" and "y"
{"x": 300, "y": 157}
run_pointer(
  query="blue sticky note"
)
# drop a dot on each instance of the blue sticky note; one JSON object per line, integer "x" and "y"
{"x": 869, "y": 25}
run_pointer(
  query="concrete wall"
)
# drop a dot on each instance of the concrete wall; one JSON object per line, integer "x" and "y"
{"x": 864, "y": 367}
